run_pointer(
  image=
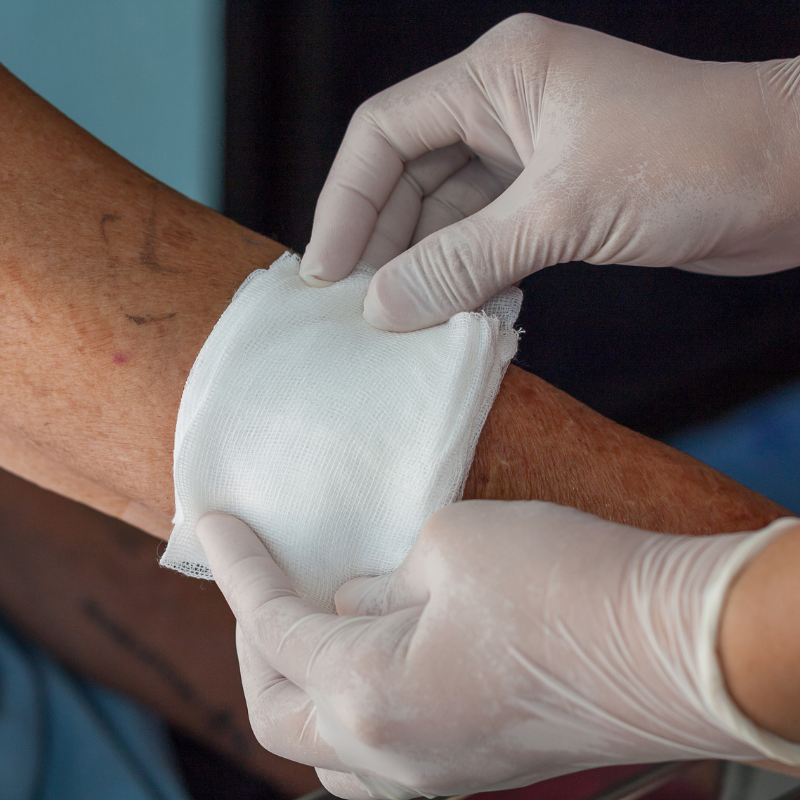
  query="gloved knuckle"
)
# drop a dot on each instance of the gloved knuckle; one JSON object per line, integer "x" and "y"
{"x": 364, "y": 111}
{"x": 525, "y": 20}
{"x": 373, "y": 729}
{"x": 264, "y": 732}
{"x": 439, "y": 529}
{"x": 366, "y": 714}
{"x": 367, "y": 113}
{"x": 520, "y": 29}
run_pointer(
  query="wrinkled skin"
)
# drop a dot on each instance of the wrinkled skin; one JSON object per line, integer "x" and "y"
{"x": 544, "y": 143}
{"x": 518, "y": 641}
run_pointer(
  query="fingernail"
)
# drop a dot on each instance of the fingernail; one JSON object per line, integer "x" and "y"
{"x": 317, "y": 283}
{"x": 308, "y": 277}
{"x": 373, "y": 313}
{"x": 377, "y": 315}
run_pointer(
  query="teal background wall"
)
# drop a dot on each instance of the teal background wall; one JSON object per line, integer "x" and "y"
{"x": 144, "y": 76}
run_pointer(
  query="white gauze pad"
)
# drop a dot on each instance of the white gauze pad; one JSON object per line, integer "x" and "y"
{"x": 333, "y": 440}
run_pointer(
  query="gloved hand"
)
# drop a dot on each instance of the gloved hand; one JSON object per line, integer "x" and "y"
{"x": 518, "y": 641}
{"x": 544, "y": 143}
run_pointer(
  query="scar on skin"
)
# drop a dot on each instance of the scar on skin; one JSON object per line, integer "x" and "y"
{"x": 143, "y": 319}
{"x": 148, "y": 255}
{"x": 103, "y": 220}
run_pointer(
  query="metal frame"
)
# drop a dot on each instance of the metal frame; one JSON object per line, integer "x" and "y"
{"x": 639, "y": 786}
{"x": 630, "y": 789}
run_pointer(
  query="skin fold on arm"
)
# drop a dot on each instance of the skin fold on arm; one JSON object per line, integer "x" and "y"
{"x": 110, "y": 283}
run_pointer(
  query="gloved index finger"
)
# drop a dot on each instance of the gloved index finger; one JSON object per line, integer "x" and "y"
{"x": 286, "y": 630}
{"x": 362, "y": 177}
{"x": 398, "y": 125}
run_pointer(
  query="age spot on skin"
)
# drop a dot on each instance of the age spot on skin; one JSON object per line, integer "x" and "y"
{"x": 120, "y": 358}
{"x": 143, "y": 319}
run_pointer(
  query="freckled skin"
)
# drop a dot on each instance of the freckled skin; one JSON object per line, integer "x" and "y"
{"x": 541, "y": 444}
{"x": 84, "y": 233}
{"x": 82, "y": 292}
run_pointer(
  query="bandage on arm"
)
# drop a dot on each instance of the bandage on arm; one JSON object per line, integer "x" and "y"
{"x": 111, "y": 284}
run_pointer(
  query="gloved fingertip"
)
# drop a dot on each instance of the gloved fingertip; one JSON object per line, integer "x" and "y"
{"x": 393, "y": 304}
{"x": 379, "y": 316}
{"x": 353, "y": 595}
{"x": 210, "y": 521}
{"x": 374, "y": 315}
{"x": 376, "y": 312}
{"x": 310, "y": 270}
{"x": 313, "y": 280}
{"x": 343, "y": 784}
{"x": 215, "y": 524}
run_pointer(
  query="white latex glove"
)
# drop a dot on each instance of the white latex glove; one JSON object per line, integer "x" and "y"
{"x": 518, "y": 641}
{"x": 585, "y": 147}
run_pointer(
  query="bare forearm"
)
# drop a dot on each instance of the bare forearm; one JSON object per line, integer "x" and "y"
{"x": 541, "y": 444}
{"x": 112, "y": 282}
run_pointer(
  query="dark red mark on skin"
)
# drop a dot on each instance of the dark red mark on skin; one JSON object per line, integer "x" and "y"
{"x": 120, "y": 358}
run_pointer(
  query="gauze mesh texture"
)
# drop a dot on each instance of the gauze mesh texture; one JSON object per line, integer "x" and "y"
{"x": 333, "y": 440}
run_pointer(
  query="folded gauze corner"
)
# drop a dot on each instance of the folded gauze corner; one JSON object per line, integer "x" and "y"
{"x": 333, "y": 440}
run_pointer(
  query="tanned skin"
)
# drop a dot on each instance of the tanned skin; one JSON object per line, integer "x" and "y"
{"x": 110, "y": 283}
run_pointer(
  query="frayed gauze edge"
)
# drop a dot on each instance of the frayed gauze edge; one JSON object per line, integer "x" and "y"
{"x": 333, "y": 440}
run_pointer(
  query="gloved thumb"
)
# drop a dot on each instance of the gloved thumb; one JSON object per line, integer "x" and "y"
{"x": 373, "y": 597}
{"x": 458, "y": 268}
